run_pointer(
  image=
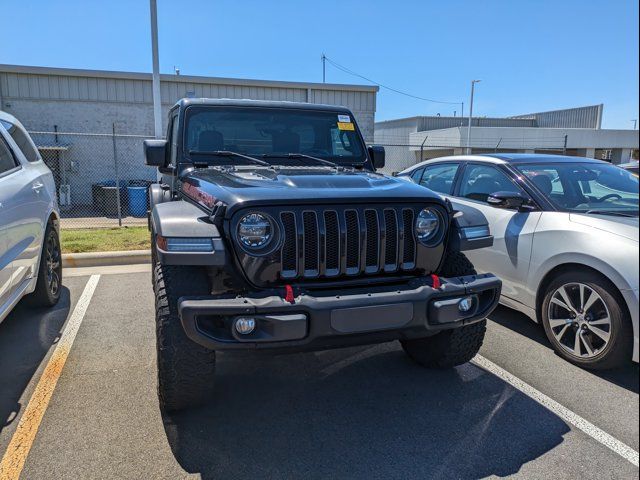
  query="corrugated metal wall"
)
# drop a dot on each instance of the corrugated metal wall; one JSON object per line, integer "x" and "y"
{"x": 128, "y": 90}
{"x": 581, "y": 117}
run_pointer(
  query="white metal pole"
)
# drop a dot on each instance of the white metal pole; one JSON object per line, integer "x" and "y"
{"x": 157, "y": 106}
{"x": 473, "y": 84}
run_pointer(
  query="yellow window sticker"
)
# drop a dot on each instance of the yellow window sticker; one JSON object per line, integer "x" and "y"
{"x": 346, "y": 126}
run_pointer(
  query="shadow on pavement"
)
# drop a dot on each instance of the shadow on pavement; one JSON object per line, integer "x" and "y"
{"x": 26, "y": 336}
{"x": 359, "y": 413}
{"x": 626, "y": 377}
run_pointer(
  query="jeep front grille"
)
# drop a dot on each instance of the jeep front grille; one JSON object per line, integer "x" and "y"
{"x": 337, "y": 241}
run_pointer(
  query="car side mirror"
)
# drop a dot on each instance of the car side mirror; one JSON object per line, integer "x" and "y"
{"x": 508, "y": 200}
{"x": 376, "y": 153}
{"x": 155, "y": 153}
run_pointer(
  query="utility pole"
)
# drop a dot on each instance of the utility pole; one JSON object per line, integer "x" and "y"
{"x": 157, "y": 106}
{"x": 473, "y": 84}
{"x": 324, "y": 68}
{"x": 635, "y": 123}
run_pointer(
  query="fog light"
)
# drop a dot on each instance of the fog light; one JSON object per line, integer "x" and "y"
{"x": 245, "y": 326}
{"x": 465, "y": 304}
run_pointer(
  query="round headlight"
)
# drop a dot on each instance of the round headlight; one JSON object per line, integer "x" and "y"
{"x": 427, "y": 225}
{"x": 255, "y": 230}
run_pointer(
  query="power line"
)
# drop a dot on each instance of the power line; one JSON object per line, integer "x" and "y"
{"x": 351, "y": 72}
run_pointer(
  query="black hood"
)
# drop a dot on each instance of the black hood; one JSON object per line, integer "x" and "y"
{"x": 243, "y": 187}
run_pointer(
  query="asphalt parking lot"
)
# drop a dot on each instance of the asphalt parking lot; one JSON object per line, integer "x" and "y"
{"x": 364, "y": 412}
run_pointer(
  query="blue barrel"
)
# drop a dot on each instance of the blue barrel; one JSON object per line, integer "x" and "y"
{"x": 137, "y": 201}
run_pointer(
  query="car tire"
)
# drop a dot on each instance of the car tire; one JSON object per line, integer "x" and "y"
{"x": 451, "y": 347}
{"x": 49, "y": 282}
{"x": 587, "y": 327}
{"x": 186, "y": 370}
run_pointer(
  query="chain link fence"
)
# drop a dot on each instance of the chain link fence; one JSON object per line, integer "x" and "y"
{"x": 101, "y": 179}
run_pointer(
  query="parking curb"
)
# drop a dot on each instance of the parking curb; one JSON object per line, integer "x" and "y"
{"x": 102, "y": 259}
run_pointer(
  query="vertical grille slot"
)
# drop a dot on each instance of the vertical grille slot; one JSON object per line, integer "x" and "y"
{"x": 409, "y": 251}
{"x": 373, "y": 244}
{"x": 332, "y": 243}
{"x": 391, "y": 242}
{"x": 289, "y": 253}
{"x": 353, "y": 240}
{"x": 311, "y": 243}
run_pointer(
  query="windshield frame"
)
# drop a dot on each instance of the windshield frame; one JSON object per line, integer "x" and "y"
{"x": 362, "y": 161}
{"x": 519, "y": 169}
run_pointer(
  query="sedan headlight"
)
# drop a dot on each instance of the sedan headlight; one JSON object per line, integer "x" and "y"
{"x": 255, "y": 231}
{"x": 428, "y": 225}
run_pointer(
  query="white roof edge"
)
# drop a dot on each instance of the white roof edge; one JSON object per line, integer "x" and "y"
{"x": 73, "y": 72}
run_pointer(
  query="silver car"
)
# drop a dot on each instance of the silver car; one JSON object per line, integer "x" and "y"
{"x": 30, "y": 260}
{"x": 565, "y": 244}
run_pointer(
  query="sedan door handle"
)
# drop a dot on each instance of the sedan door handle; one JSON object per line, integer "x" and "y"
{"x": 37, "y": 186}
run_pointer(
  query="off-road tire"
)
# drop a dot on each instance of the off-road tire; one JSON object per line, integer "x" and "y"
{"x": 185, "y": 369}
{"x": 44, "y": 295}
{"x": 619, "y": 350}
{"x": 451, "y": 347}
{"x": 456, "y": 264}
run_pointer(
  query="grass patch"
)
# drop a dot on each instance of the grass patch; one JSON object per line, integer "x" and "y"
{"x": 104, "y": 239}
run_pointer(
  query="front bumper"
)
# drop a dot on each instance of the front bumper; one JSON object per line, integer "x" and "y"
{"x": 371, "y": 315}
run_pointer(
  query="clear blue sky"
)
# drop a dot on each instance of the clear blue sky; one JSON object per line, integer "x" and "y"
{"x": 530, "y": 55}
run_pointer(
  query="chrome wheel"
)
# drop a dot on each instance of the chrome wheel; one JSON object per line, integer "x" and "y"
{"x": 52, "y": 262}
{"x": 579, "y": 320}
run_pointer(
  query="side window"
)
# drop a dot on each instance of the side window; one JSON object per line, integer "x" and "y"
{"x": 439, "y": 178}
{"x": 7, "y": 162}
{"x": 173, "y": 140}
{"x": 22, "y": 140}
{"x": 480, "y": 181}
{"x": 417, "y": 175}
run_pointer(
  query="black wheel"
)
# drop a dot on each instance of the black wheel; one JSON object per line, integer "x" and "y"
{"x": 450, "y": 347}
{"x": 49, "y": 283}
{"x": 584, "y": 321}
{"x": 185, "y": 369}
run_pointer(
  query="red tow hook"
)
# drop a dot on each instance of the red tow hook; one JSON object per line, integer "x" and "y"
{"x": 435, "y": 279}
{"x": 288, "y": 294}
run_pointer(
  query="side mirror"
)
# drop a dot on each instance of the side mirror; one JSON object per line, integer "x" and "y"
{"x": 376, "y": 153}
{"x": 155, "y": 153}
{"x": 508, "y": 200}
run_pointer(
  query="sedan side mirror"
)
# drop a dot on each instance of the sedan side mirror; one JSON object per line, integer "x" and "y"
{"x": 508, "y": 200}
{"x": 155, "y": 153}
{"x": 376, "y": 153}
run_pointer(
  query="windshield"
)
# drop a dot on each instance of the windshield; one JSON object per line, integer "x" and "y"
{"x": 586, "y": 187}
{"x": 271, "y": 134}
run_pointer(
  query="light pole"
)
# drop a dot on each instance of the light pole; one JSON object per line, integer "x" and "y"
{"x": 157, "y": 108}
{"x": 473, "y": 84}
{"x": 635, "y": 123}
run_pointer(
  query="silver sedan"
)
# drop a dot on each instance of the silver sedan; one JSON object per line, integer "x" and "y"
{"x": 565, "y": 244}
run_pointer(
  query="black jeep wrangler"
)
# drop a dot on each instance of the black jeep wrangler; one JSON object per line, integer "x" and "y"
{"x": 271, "y": 230}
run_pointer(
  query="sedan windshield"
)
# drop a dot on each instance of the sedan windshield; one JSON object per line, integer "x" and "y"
{"x": 276, "y": 135}
{"x": 586, "y": 187}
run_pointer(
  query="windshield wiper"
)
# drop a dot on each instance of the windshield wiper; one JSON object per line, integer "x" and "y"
{"x": 228, "y": 153}
{"x": 611, "y": 212}
{"x": 301, "y": 155}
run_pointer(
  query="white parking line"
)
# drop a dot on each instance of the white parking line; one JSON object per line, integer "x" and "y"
{"x": 622, "y": 449}
{"x": 16, "y": 455}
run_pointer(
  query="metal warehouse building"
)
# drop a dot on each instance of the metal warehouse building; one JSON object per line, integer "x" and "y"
{"x": 575, "y": 131}
{"x": 90, "y": 100}
{"x": 89, "y": 125}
